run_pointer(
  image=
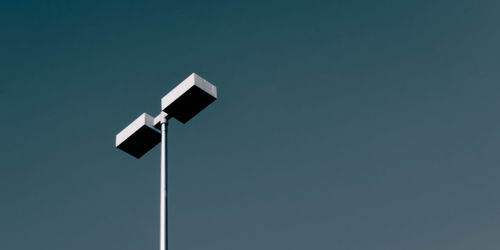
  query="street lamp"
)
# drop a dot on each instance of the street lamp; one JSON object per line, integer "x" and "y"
{"x": 182, "y": 103}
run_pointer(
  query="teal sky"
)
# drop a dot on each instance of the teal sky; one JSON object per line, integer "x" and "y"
{"x": 339, "y": 125}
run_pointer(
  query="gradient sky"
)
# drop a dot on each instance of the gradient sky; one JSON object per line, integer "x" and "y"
{"x": 339, "y": 124}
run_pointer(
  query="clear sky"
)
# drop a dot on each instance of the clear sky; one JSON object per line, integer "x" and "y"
{"x": 339, "y": 125}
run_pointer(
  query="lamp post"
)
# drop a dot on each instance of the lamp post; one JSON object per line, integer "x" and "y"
{"x": 182, "y": 103}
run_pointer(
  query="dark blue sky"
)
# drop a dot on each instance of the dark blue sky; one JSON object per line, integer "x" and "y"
{"x": 339, "y": 124}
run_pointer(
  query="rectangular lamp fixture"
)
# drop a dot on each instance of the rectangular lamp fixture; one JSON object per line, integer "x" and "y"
{"x": 139, "y": 137}
{"x": 188, "y": 98}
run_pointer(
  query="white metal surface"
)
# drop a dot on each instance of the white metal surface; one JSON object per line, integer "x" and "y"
{"x": 163, "y": 191}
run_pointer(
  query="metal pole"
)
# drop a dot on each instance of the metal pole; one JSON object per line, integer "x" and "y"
{"x": 163, "y": 193}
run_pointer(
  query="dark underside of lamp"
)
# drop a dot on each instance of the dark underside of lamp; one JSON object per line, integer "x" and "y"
{"x": 189, "y": 104}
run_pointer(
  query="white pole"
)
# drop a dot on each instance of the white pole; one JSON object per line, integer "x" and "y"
{"x": 163, "y": 193}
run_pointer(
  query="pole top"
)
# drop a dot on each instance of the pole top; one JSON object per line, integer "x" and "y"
{"x": 159, "y": 119}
